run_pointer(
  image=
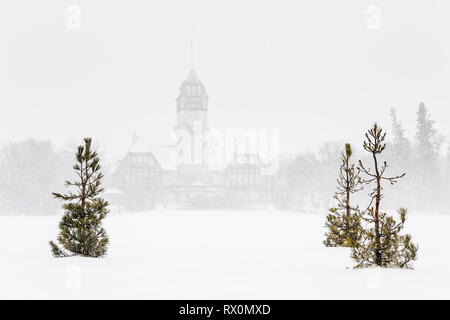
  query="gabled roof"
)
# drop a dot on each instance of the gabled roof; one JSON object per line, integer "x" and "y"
{"x": 139, "y": 146}
{"x": 166, "y": 156}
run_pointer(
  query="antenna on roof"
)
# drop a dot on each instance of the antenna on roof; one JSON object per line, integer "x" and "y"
{"x": 191, "y": 47}
{"x": 134, "y": 136}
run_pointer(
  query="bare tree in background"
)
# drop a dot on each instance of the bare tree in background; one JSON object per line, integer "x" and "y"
{"x": 29, "y": 170}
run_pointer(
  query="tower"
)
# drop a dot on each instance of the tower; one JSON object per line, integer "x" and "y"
{"x": 192, "y": 125}
{"x": 192, "y": 103}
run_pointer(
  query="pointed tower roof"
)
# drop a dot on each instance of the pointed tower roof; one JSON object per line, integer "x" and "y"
{"x": 193, "y": 78}
{"x": 192, "y": 94}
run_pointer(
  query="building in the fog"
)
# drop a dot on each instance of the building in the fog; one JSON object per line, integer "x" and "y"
{"x": 181, "y": 174}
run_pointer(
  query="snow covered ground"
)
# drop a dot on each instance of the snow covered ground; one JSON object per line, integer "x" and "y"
{"x": 215, "y": 255}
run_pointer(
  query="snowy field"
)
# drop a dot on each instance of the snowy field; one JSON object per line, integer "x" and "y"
{"x": 214, "y": 255}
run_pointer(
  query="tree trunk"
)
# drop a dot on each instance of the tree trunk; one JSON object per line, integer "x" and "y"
{"x": 376, "y": 213}
{"x": 347, "y": 204}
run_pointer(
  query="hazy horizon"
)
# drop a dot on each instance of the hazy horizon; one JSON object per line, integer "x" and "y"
{"x": 315, "y": 70}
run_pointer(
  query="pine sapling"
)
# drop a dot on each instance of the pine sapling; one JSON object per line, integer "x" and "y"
{"x": 381, "y": 243}
{"x": 81, "y": 232}
{"x": 343, "y": 220}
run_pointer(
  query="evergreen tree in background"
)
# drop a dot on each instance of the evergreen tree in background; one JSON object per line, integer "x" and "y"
{"x": 447, "y": 168}
{"x": 426, "y": 174}
{"x": 401, "y": 147}
{"x": 448, "y": 160}
{"x": 399, "y": 150}
{"x": 381, "y": 244}
{"x": 426, "y": 139}
{"x": 81, "y": 232}
{"x": 343, "y": 220}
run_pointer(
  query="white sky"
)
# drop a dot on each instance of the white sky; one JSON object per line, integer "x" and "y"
{"x": 312, "y": 69}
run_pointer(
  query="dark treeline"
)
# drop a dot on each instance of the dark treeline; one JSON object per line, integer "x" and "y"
{"x": 31, "y": 170}
{"x": 307, "y": 182}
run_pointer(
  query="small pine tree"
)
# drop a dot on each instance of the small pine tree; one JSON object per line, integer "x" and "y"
{"x": 343, "y": 220}
{"x": 389, "y": 249}
{"x": 381, "y": 244}
{"x": 81, "y": 232}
